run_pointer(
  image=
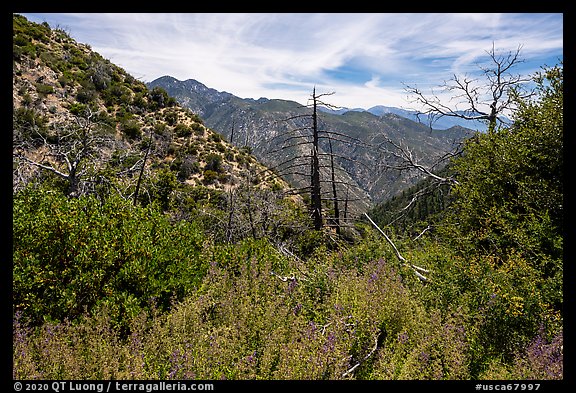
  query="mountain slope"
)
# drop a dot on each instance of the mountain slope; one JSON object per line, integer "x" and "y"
{"x": 261, "y": 123}
{"x": 90, "y": 125}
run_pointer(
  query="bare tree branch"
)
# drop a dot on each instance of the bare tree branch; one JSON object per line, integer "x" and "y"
{"x": 415, "y": 268}
{"x": 487, "y": 102}
{"x": 372, "y": 351}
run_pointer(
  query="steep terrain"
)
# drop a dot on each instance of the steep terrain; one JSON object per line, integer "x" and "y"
{"x": 361, "y": 151}
{"x": 178, "y": 259}
{"x": 89, "y": 124}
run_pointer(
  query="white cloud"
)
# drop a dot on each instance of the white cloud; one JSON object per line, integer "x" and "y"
{"x": 246, "y": 54}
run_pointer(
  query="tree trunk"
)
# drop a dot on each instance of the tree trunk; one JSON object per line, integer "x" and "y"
{"x": 334, "y": 194}
{"x": 142, "y": 171}
{"x": 316, "y": 197}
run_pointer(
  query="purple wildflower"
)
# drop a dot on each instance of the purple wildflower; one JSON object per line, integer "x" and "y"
{"x": 330, "y": 342}
{"x": 291, "y": 286}
{"x": 403, "y": 338}
{"x": 297, "y": 308}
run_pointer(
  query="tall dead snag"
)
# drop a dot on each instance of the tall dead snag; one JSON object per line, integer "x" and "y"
{"x": 315, "y": 194}
{"x": 311, "y": 156}
{"x": 141, "y": 174}
{"x": 334, "y": 193}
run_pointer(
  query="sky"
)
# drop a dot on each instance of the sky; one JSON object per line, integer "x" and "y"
{"x": 365, "y": 59}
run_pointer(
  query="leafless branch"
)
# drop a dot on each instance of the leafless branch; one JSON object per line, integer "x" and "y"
{"x": 415, "y": 268}
{"x": 484, "y": 102}
{"x": 372, "y": 351}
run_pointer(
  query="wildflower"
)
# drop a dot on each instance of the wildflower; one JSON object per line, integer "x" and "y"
{"x": 403, "y": 338}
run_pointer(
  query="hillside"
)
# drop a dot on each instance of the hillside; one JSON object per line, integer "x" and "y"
{"x": 262, "y": 125}
{"x": 146, "y": 247}
{"x": 65, "y": 96}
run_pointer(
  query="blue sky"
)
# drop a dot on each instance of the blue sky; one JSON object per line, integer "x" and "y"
{"x": 365, "y": 59}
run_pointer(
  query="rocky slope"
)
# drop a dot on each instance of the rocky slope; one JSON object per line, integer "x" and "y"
{"x": 79, "y": 117}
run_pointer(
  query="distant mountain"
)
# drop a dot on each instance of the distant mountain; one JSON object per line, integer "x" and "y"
{"x": 339, "y": 111}
{"x": 442, "y": 123}
{"x": 263, "y": 124}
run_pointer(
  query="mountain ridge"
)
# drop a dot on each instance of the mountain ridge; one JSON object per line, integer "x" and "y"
{"x": 254, "y": 123}
{"x": 442, "y": 123}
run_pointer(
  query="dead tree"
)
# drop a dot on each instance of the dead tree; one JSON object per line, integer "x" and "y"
{"x": 488, "y": 100}
{"x": 315, "y": 194}
{"x": 70, "y": 153}
{"x": 334, "y": 193}
{"x": 416, "y": 269}
{"x": 141, "y": 174}
{"x": 313, "y": 162}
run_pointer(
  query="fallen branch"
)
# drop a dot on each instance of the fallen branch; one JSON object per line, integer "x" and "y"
{"x": 416, "y": 269}
{"x": 364, "y": 359}
{"x": 421, "y": 233}
{"x": 284, "y": 278}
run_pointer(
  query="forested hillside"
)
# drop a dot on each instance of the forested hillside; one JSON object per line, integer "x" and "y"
{"x": 147, "y": 247}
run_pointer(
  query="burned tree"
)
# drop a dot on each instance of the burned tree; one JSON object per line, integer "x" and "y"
{"x": 69, "y": 151}
{"x": 143, "y": 165}
{"x": 487, "y": 100}
{"x": 313, "y": 160}
{"x": 315, "y": 189}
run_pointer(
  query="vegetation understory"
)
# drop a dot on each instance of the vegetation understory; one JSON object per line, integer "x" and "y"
{"x": 173, "y": 278}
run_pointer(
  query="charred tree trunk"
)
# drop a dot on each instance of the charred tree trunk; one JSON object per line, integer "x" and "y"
{"x": 316, "y": 197}
{"x": 142, "y": 171}
{"x": 334, "y": 193}
{"x": 232, "y": 133}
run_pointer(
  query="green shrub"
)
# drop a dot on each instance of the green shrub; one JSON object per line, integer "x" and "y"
{"x": 76, "y": 255}
{"x": 210, "y": 176}
{"x": 171, "y": 117}
{"x": 182, "y": 130}
{"x": 214, "y": 162}
{"x": 131, "y": 129}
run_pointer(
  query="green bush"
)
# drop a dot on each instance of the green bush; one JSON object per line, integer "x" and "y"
{"x": 182, "y": 130}
{"x": 76, "y": 255}
{"x": 213, "y": 162}
{"x": 210, "y": 176}
{"x": 131, "y": 129}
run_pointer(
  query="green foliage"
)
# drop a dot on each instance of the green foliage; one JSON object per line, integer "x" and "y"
{"x": 215, "y": 137}
{"x": 65, "y": 79}
{"x": 132, "y": 129}
{"x": 424, "y": 202}
{"x": 160, "y": 99}
{"x": 213, "y": 162}
{"x": 182, "y": 130}
{"x": 209, "y": 176}
{"x": 44, "y": 89}
{"x": 245, "y": 321}
{"x": 166, "y": 183}
{"x": 505, "y": 231}
{"x": 510, "y": 197}
{"x": 31, "y": 124}
{"x": 171, "y": 117}
{"x": 86, "y": 95}
{"x": 200, "y": 283}
{"x": 75, "y": 255}
{"x": 77, "y": 108}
